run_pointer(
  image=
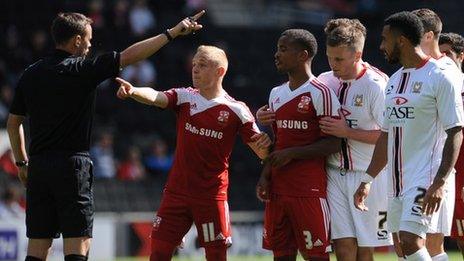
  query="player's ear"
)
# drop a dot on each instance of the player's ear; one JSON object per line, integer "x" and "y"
{"x": 304, "y": 55}
{"x": 401, "y": 40}
{"x": 357, "y": 56}
{"x": 221, "y": 71}
{"x": 77, "y": 39}
{"x": 461, "y": 56}
{"x": 429, "y": 36}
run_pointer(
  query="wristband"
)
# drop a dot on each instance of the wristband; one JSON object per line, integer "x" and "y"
{"x": 168, "y": 35}
{"x": 22, "y": 163}
{"x": 366, "y": 178}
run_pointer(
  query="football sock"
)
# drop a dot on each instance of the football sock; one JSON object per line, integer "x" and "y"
{"x": 420, "y": 255}
{"x": 440, "y": 257}
{"x": 31, "y": 258}
{"x": 75, "y": 258}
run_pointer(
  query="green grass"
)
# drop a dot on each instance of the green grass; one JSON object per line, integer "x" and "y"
{"x": 378, "y": 257}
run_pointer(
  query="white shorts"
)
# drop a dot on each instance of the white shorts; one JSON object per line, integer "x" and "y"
{"x": 406, "y": 210}
{"x": 442, "y": 222}
{"x": 369, "y": 228}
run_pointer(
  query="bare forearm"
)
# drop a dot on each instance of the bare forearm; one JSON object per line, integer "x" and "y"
{"x": 17, "y": 141}
{"x": 266, "y": 172}
{"x": 366, "y": 136}
{"x": 142, "y": 50}
{"x": 450, "y": 154}
{"x": 379, "y": 158}
{"x": 321, "y": 148}
{"x": 149, "y": 96}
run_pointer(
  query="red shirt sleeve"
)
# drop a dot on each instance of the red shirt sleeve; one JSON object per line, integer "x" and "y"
{"x": 172, "y": 98}
{"x": 247, "y": 130}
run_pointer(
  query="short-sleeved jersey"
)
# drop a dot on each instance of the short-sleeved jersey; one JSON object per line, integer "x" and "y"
{"x": 450, "y": 65}
{"x": 421, "y": 104}
{"x": 297, "y": 114}
{"x": 362, "y": 103}
{"x": 206, "y": 133}
{"x": 57, "y": 93}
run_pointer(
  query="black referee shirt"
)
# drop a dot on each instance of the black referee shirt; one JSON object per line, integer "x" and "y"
{"x": 57, "y": 94}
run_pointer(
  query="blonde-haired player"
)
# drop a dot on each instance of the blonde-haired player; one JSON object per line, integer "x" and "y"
{"x": 208, "y": 120}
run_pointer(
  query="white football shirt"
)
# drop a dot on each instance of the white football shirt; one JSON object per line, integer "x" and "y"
{"x": 421, "y": 103}
{"x": 362, "y": 103}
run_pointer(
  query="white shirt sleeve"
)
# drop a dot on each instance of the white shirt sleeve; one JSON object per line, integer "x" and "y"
{"x": 326, "y": 102}
{"x": 449, "y": 100}
{"x": 377, "y": 101}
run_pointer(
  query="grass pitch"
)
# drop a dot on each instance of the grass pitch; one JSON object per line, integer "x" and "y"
{"x": 454, "y": 256}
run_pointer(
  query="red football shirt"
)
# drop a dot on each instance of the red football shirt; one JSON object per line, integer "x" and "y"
{"x": 297, "y": 115}
{"x": 460, "y": 166}
{"x": 206, "y": 132}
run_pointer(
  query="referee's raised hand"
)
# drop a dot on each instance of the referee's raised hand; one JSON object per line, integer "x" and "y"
{"x": 188, "y": 25}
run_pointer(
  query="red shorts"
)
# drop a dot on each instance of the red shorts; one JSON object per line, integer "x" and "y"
{"x": 294, "y": 223}
{"x": 457, "y": 230}
{"x": 177, "y": 214}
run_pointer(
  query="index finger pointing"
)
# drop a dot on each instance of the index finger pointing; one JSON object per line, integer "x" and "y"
{"x": 198, "y": 15}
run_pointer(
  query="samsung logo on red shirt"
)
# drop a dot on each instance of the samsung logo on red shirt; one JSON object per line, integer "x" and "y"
{"x": 203, "y": 132}
{"x": 292, "y": 124}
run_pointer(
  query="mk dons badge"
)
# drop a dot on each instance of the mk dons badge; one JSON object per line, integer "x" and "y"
{"x": 416, "y": 87}
{"x": 223, "y": 117}
{"x": 358, "y": 100}
{"x": 303, "y": 106}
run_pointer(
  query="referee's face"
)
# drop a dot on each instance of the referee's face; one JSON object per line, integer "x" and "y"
{"x": 84, "y": 44}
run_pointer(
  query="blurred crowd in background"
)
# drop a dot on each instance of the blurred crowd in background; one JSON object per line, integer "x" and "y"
{"x": 133, "y": 144}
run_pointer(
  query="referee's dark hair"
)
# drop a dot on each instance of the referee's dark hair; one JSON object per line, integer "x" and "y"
{"x": 406, "y": 24}
{"x": 302, "y": 38}
{"x": 430, "y": 20}
{"x": 67, "y": 25}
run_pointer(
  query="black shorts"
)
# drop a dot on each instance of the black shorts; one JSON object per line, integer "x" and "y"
{"x": 59, "y": 195}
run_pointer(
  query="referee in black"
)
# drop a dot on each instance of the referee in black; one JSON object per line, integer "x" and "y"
{"x": 57, "y": 96}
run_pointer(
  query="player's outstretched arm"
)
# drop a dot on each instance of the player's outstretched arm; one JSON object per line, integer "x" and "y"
{"x": 145, "y": 95}
{"x": 144, "y": 49}
{"x": 15, "y": 131}
{"x": 378, "y": 162}
{"x": 434, "y": 194}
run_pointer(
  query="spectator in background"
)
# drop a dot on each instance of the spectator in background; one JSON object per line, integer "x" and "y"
{"x": 142, "y": 73}
{"x": 118, "y": 22}
{"x": 5, "y": 101}
{"x": 102, "y": 157}
{"x": 131, "y": 168}
{"x": 141, "y": 18}
{"x": 192, "y": 6}
{"x": 39, "y": 45}
{"x": 10, "y": 207}
{"x": 7, "y": 163}
{"x": 159, "y": 161}
{"x": 96, "y": 14}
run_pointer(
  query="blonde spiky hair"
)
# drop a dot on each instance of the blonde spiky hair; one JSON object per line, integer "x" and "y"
{"x": 215, "y": 54}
